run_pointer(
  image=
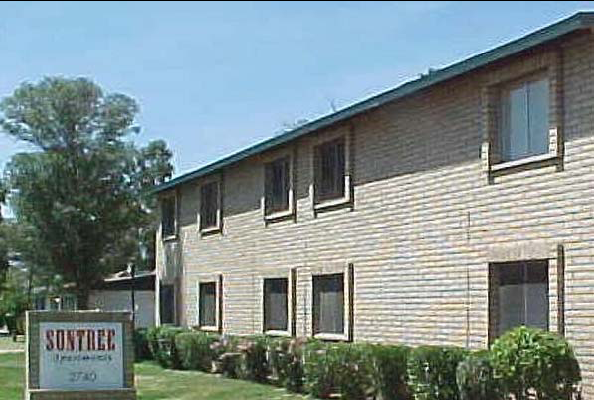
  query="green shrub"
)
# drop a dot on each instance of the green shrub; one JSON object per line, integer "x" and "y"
{"x": 391, "y": 376}
{"x": 286, "y": 362}
{"x": 162, "y": 345}
{"x": 343, "y": 369}
{"x": 195, "y": 350}
{"x": 254, "y": 360}
{"x": 475, "y": 380}
{"x": 432, "y": 372}
{"x": 228, "y": 357}
{"x": 531, "y": 362}
{"x": 141, "y": 345}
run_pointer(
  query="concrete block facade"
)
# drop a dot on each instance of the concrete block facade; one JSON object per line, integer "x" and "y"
{"x": 431, "y": 210}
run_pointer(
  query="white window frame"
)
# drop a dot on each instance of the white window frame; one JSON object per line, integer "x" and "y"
{"x": 547, "y": 65}
{"x": 219, "y": 217}
{"x": 346, "y": 134}
{"x": 173, "y": 195}
{"x": 348, "y": 293}
{"x": 291, "y": 210}
{"x": 290, "y": 275}
{"x": 217, "y": 279}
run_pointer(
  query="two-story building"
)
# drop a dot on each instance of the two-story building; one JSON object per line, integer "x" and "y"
{"x": 444, "y": 211}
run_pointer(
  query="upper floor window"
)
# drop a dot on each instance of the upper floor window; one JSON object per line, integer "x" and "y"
{"x": 524, "y": 125}
{"x": 209, "y": 206}
{"x": 168, "y": 217}
{"x": 278, "y": 185}
{"x": 329, "y": 170}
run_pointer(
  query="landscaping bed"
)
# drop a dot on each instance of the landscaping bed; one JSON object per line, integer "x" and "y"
{"x": 155, "y": 383}
{"x": 524, "y": 364}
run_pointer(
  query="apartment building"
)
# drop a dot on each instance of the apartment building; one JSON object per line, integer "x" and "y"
{"x": 445, "y": 211}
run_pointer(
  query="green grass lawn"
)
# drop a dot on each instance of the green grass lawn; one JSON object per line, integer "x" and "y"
{"x": 155, "y": 383}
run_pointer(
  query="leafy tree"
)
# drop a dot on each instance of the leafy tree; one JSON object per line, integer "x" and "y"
{"x": 3, "y": 241}
{"x": 82, "y": 198}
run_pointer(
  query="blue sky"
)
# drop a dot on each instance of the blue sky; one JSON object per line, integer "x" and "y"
{"x": 212, "y": 78}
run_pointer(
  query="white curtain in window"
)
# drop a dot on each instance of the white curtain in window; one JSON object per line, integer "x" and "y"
{"x": 208, "y": 304}
{"x": 329, "y": 304}
{"x": 276, "y": 304}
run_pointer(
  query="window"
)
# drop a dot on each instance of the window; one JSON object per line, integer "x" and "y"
{"x": 168, "y": 217}
{"x": 328, "y": 304}
{"x": 525, "y": 120}
{"x": 522, "y": 295}
{"x": 40, "y": 302}
{"x": 69, "y": 302}
{"x": 276, "y": 304}
{"x": 209, "y": 206}
{"x": 278, "y": 185}
{"x": 167, "y": 304}
{"x": 329, "y": 170}
{"x": 207, "y": 304}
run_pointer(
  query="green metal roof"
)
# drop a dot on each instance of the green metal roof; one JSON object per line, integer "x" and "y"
{"x": 579, "y": 21}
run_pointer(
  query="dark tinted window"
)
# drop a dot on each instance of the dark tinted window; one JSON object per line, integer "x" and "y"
{"x": 167, "y": 303}
{"x": 330, "y": 170}
{"x": 276, "y": 300}
{"x": 328, "y": 303}
{"x": 209, "y": 205}
{"x": 168, "y": 216}
{"x": 277, "y": 185}
{"x": 208, "y": 304}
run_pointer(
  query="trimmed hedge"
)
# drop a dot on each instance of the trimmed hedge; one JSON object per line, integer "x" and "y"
{"x": 162, "y": 345}
{"x": 531, "y": 362}
{"x": 142, "y": 350}
{"x": 196, "y": 351}
{"x": 521, "y": 363}
{"x": 286, "y": 362}
{"x": 475, "y": 379}
{"x": 391, "y": 373}
{"x": 254, "y": 359}
{"x": 339, "y": 369}
{"x": 432, "y": 372}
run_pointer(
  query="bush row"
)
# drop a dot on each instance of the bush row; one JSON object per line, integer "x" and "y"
{"x": 525, "y": 363}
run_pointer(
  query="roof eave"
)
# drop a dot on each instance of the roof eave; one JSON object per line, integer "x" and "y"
{"x": 579, "y": 21}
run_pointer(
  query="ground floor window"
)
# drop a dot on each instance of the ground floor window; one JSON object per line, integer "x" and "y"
{"x": 521, "y": 295}
{"x": 167, "y": 304}
{"x": 328, "y": 303}
{"x": 276, "y": 304}
{"x": 207, "y": 304}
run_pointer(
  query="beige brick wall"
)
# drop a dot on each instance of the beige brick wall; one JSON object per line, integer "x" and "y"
{"x": 425, "y": 221}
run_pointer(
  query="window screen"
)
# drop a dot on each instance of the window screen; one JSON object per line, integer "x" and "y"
{"x": 330, "y": 170}
{"x": 208, "y": 304}
{"x": 523, "y": 295}
{"x": 525, "y": 120}
{"x": 209, "y": 205}
{"x": 277, "y": 185}
{"x": 276, "y": 301}
{"x": 168, "y": 216}
{"x": 328, "y": 303}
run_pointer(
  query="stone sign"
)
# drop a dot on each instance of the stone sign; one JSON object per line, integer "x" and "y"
{"x": 80, "y": 355}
